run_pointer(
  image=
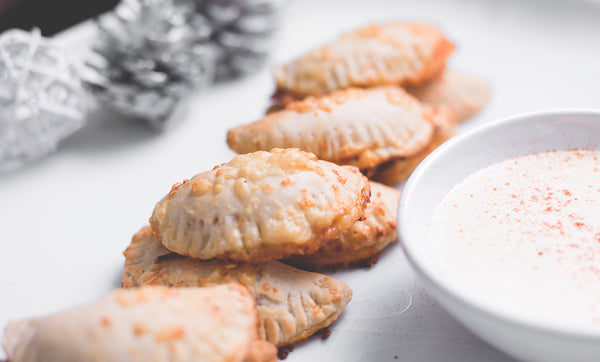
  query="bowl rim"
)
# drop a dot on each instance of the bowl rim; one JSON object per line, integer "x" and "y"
{"x": 432, "y": 279}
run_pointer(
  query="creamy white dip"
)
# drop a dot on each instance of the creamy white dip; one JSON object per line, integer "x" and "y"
{"x": 524, "y": 235}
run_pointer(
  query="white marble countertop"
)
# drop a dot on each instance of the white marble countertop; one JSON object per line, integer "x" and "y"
{"x": 66, "y": 219}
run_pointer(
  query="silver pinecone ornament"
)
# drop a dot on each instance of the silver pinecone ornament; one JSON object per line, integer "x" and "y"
{"x": 242, "y": 31}
{"x": 151, "y": 54}
{"x": 42, "y": 98}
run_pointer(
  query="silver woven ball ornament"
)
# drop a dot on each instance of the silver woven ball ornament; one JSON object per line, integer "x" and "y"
{"x": 42, "y": 99}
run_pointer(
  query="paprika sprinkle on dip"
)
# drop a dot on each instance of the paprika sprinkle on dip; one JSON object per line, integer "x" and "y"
{"x": 524, "y": 234}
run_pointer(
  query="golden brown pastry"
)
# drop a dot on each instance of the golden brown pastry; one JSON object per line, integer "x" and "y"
{"x": 394, "y": 53}
{"x": 462, "y": 93}
{"x": 147, "y": 324}
{"x": 399, "y": 170}
{"x": 360, "y": 127}
{"x": 260, "y": 206}
{"x": 364, "y": 240}
{"x": 292, "y": 304}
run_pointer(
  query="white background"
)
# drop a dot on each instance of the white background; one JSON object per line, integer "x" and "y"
{"x": 65, "y": 220}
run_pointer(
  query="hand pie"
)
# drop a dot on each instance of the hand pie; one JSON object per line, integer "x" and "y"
{"x": 147, "y": 324}
{"x": 292, "y": 304}
{"x": 393, "y": 53}
{"x": 398, "y": 170}
{"x": 260, "y": 206}
{"x": 464, "y": 94}
{"x": 359, "y": 127}
{"x": 364, "y": 240}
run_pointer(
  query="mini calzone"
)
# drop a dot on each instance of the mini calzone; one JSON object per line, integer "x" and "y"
{"x": 395, "y": 53}
{"x": 359, "y": 127}
{"x": 292, "y": 304}
{"x": 260, "y": 206}
{"x": 147, "y": 324}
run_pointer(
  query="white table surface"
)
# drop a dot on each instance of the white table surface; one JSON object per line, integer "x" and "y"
{"x": 66, "y": 219}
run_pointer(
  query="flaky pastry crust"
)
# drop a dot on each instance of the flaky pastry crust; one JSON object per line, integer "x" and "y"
{"x": 394, "y": 53}
{"x": 147, "y": 324}
{"x": 292, "y": 304}
{"x": 260, "y": 206}
{"x": 359, "y": 127}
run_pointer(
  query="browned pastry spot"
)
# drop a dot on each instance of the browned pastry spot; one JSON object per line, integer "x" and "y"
{"x": 283, "y": 352}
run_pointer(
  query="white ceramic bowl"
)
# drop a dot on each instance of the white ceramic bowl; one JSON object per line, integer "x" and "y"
{"x": 519, "y": 335}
